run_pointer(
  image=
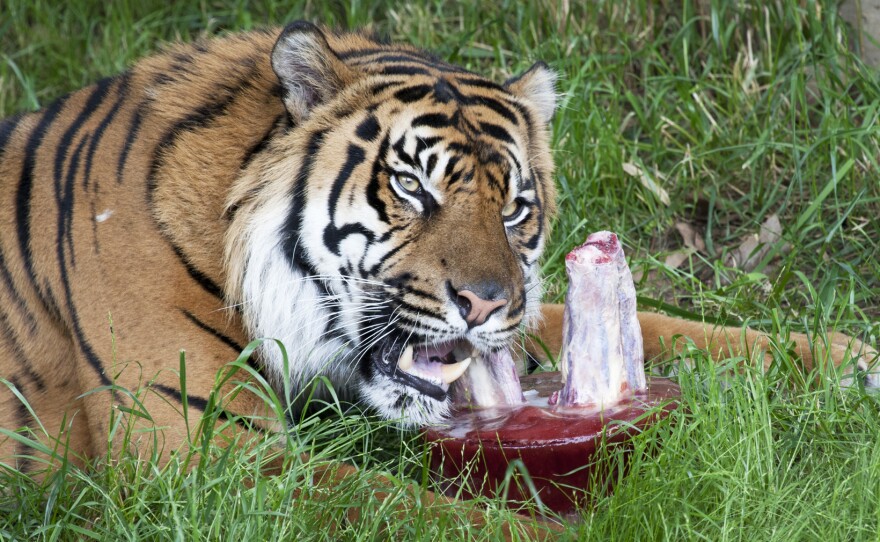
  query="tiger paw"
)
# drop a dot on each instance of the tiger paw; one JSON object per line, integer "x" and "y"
{"x": 860, "y": 361}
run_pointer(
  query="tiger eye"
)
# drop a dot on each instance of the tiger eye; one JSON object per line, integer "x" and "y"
{"x": 409, "y": 183}
{"x": 510, "y": 209}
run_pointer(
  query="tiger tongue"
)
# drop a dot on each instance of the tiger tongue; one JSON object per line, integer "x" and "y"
{"x": 436, "y": 363}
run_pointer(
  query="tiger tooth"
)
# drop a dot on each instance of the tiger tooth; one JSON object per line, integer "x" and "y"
{"x": 405, "y": 362}
{"x": 451, "y": 372}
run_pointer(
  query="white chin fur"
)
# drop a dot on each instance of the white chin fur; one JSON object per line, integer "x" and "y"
{"x": 403, "y": 404}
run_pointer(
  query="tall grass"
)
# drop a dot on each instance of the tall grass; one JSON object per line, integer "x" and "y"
{"x": 737, "y": 110}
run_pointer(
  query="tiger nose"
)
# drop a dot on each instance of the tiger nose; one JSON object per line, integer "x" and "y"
{"x": 474, "y": 309}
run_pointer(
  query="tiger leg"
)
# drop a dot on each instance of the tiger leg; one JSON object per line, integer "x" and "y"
{"x": 663, "y": 336}
{"x": 39, "y": 405}
{"x": 39, "y": 394}
{"x": 139, "y": 396}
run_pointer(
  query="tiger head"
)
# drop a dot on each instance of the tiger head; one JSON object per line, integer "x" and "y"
{"x": 393, "y": 228}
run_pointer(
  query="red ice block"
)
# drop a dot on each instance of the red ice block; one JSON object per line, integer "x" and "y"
{"x": 472, "y": 455}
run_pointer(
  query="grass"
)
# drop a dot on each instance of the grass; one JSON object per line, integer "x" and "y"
{"x": 737, "y": 111}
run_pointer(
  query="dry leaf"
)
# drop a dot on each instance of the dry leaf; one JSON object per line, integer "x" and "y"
{"x": 635, "y": 171}
{"x": 675, "y": 259}
{"x": 691, "y": 237}
{"x": 755, "y": 247}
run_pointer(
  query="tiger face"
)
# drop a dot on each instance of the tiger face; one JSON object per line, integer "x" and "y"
{"x": 394, "y": 232}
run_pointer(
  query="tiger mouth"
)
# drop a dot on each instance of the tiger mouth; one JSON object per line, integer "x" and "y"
{"x": 428, "y": 368}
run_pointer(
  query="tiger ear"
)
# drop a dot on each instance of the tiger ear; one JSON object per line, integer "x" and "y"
{"x": 537, "y": 86}
{"x": 309, "y": 70}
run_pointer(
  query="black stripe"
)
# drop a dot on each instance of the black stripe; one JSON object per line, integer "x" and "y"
{"x": 333, "y": 235}
{"x": 193, "y": 400}
{"x": 7, "y": 127}
{"x": 374, "y": 186}
{"x": 450, "y": 174}
{"x": 202, "y": 279}
{"x": 64, "y": 194}
{"x": 527, "y": 117}
{"x": 497, "y": 107}
{"x": 409, "y": 290}
{"x": 444, "y": 92}
{"x": 400, "y": 69}
{"x": 420, "y": 311}
{"x": 480, "y": 83}
{"x": 133, "y": 132}
{"x": 201, "y": 404}
{"x": 122, "y": 90}
{"x": 356, "y": 53}
{"x": 18, "y": 355}
{"x": 412, "y": 94}
{"x": 51, "y": 305}
{"x": 381, "y": 87}
{"x": 220, "y": 336}
{"x": 64, "y": 198}
{"x": 400, "y": 280}
{"x": 396, "y": 57}
{"x": 391, "y": 231}
{"x": 424, "y": 143}
{"x": 496, "y": 131}
{"x": 19, "y": 301}
{"x": 429, "y": 167}
{"x": 373, "y": 271}
{"x": 511, "y": 327}
{"x": 415, "y": 318}
{"x": 416, "y": 55}
{"x": 402, "y": 154}
{"x": 532, "y": 242}
{"x": 368, "y": 129}
{"x": 290, "y": 235}
{"x": 516, "y": 164}
{"x": 392, "y": 57}
{"x": 493, "y": 180}
{"x": 91, "y": 357}
{"x": 538, "y": 211}
{"x": 516, "y": 311}
{"x": 432, "y": 120}
{"x": 99, "y": 92}
{"x": 25, "y": 188}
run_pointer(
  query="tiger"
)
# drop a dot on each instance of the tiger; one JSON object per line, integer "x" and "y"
{"x": 380, "y": 212}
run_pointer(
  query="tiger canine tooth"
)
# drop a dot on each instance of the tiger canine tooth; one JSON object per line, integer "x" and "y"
{"x": 449, "y": 373}
{"x": 405, "y": 362}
